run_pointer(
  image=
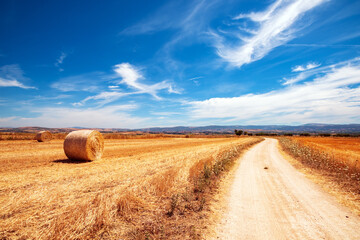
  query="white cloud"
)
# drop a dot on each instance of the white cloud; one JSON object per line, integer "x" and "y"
{"x": 165, "y": 113}
{"x": 13, "y": 83}
{"x": 173, "y": 15}
{"x": 45, "y": 98}
{"x": 329, "y": 99}
{"x": 7, "y": 122}
{"x": 305, "y": 72}
{"x": 310, "y": 69}
{"x": 195, "y": 80}
{"x": 131, "y": 76}
{"x": 157, "y": 22}
{"x": 309, "y": 66}
{"x": 60, "y": 60}
{"x": 11, "y": 75}
{"x": 112, "y": 116}
{"x": 261, "y": 16}
{"x": 104, "y": 97}
{"x": 275, "y": 28}
{"x": 89, "y": 82}
{"x": 298, "y": 69}
{"x": 300, "y": 77}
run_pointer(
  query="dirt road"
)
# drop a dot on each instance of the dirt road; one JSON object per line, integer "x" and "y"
{"x": 280, "y": 203}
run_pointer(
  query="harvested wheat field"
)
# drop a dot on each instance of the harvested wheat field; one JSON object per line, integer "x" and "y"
{"x": 140, "y": 188}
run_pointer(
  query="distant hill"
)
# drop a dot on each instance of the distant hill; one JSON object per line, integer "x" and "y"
{"x": 311, "y": 128}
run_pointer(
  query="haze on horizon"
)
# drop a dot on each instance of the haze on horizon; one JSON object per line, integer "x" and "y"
{"x": 179, "y": 63}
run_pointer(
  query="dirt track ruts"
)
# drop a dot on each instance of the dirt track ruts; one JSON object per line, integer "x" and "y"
{"x": 281, "y": 203}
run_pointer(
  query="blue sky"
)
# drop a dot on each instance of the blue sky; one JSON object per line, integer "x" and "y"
{"x": 133, "y": 64}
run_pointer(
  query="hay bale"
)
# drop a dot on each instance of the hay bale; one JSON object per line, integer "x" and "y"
{"x": 43, "y": 136}
{"x": 84, "y": 145}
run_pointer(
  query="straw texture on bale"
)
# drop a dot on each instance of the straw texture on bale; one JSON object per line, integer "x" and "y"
{"x": 84, "y": 145}
{"x": 43, "y": 136}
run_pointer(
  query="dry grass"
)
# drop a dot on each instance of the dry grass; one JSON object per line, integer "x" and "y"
{"x": 27, "y": 136}
{"x": 124, "y": 135}
{"x": 333, "y": 162}
{"x": 346, "y": 150}
{"x": 128, "y": 194}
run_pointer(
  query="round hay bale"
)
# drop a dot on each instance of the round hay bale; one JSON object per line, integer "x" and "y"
{"x": 84, "y": 145}
{"x": 43, "y": 136}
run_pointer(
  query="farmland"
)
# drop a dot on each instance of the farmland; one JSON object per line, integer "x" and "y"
{"x": 346, "y": 150}
{"x": 140, "y": 188}
{"x": 166, "y": 187}
{"x": 342, "y": 150}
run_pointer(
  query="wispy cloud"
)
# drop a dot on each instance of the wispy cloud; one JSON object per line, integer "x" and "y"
{"x": 261, "y": 16}
{"x": 173, "y": 15}
{"x": 188, "y": 21}
{"x": 306, "y": 67}
{"x": 322, "y": 45}
{"x": 304, "y": 73}
{"x": 131, "y": 76}
{"x": 112, "y": 116}
{"x": 60, "y": 60}
{"x": 165, "y": 113}
{"x": 12, "y": 83}
{"x": 196, "y": 80}
{"x": 329, "y": 98}
{"x": 3, "y": 102}
{"x": 298, "y": 78}
{"x": 311, "y": 69}
{"x": 113, "y": 87}
{"x": 7, "y": 121}
{"x": 275, "y": 27}
{"x": 41, "y": 99}
{"x": 11, "y": 75}
{"x": 88, "y": 82}
{"x": 157, "y": 22}
{"x": 103, "y": 98}
{"x": 124, "y": 74}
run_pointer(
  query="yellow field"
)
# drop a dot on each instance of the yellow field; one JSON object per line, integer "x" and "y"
{"x": 141, "y": 188}
{"x": 343, "y": 149}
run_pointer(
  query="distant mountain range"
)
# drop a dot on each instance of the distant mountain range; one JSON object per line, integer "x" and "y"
{"x": 311, "y": 128}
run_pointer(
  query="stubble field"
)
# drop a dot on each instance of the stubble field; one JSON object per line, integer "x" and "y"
{"x": 141, "y": 188}
{"x": 346, "y": 150}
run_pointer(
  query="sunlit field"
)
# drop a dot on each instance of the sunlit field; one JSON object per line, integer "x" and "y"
{"x": 346, "y": 150}
{"x": 140, "y": 188}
